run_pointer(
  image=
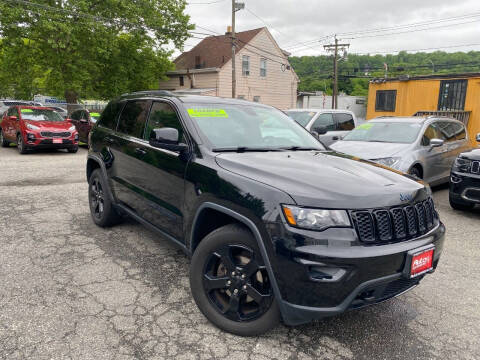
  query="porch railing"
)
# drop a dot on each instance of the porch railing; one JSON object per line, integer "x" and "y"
{"x": 460, "y": 115}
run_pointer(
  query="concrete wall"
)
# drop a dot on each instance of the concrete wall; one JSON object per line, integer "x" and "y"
{"x": 345, "y": 102}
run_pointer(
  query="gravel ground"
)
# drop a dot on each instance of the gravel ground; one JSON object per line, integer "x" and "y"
{"x": 72, "y": 290}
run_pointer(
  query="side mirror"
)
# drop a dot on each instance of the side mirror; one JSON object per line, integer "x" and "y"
{"x": 321, "y": 130}
{"x": 478, "y": 137}
{"x": 166, "y": 138}
{"x": 13, "y": 118}
{"x": 436, "y": 143}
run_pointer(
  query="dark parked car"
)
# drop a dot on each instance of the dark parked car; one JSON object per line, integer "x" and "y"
{"x": 35, "y": 127}
{"x": 465, "y": 180}
{"x": 277, "y": 227}
{"x": 84, "y": 121}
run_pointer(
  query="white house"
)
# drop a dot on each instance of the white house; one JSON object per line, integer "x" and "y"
{"x": 263, "y": 72}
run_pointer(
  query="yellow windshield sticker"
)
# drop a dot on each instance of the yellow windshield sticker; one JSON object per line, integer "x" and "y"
{"x": 95, "y": 114}
{"x": 26, "y": 111}
{"x": 365, "y": 126}
{"x": 208, "y": 113}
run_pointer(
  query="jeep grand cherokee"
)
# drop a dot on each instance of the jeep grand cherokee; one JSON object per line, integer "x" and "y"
{"x": 277, "y": 227}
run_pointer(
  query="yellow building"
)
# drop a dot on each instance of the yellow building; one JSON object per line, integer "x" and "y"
{"x": 444, "y": 95}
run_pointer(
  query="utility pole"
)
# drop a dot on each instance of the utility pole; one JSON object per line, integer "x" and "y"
{"x": 235, "y": 7}
{"x": 334, "y": 48}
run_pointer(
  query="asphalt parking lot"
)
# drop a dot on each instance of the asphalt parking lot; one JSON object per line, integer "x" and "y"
{"x": 72, "y": 290}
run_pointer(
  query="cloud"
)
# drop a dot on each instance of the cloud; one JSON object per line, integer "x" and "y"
{"x": 294, "y": 21}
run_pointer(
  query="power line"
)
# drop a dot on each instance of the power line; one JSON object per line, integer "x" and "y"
{"x": 424, "y": 49}
{"x": 205, "y": 3}
{"x": 265, "y": 51}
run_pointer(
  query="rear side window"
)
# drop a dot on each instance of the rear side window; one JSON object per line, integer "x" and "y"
{"x": 110, "y": 115}
{"x": 450, "y": 130}
{"x": 163, "y": 115}
{"x": 324, "y": 120}
{"x": 344, "y": 121}
{"x": 460, "y": 132}
{"x": 133, "y": 118}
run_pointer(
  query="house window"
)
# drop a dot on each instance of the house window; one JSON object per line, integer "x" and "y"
{"x": 263, "y": 67}
{"x": 181, "y": 81}
{"x": 385, "y": 100}
{"x": 245, "y": 65}
{"x": 198, "y": 62}
{"x": 256, "y": 98}
{"x": 452, "y": 95}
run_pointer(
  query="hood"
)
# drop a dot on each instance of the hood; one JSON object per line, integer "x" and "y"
{"x": 326, "y": 179}
{"x": 369, "y": 150}
{"x": 472, "y": 155}
{"x": 51, "y": 125}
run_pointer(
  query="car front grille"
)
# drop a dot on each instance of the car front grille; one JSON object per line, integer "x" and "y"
{"x": 50, "y": 134}
{"x": 380, "y": 226}
{"x": 475, "y": 167}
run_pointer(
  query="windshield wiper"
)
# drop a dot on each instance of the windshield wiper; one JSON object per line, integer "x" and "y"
{"x": 300, "y": 148}
{"x": 241, "y": 149}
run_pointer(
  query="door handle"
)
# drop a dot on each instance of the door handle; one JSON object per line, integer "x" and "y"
{"x": 109, "y": 140}
{"x": 140, "y": 151}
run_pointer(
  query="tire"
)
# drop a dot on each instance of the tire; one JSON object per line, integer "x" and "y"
{"x": 216, "y": 270}
{"x": 101, "y": 207}
{"x": 3, "y": 141}
{"x": 21, "y": 145}
{"x": 415, "y": 171}
{"x": 73, "y": 150}
{"x": 460, "y": 205}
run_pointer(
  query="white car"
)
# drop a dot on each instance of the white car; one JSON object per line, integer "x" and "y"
{"x": 331, "y": 125}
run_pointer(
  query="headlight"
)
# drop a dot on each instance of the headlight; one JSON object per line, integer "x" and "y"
{"x": 32, "y": 127}
{"x": 390, "y": 161}
{"x": 462, "y": 165}
{"x": 72, "y": 128}
{"x": 315, "y": 219}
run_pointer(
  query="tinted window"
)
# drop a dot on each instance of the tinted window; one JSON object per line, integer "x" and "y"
{"x": 324, "y": 120}
{"x": 385, "y": 100}
{"x": 432, "y": 132}
{"x": 344, "y": 121}
{"x": 75, "y": 115}
{"x": 163, "y": 115}
{"x": 132, "y": 120}
{"x": 110, "y": 114}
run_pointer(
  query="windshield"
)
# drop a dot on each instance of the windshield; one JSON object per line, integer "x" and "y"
{"x": 389, "y": 132}
{"x": 94, "y": 117}
{"x": 40, "y": 115}
{"x": 234, "y": 126}
{"x": 301, "y": 117}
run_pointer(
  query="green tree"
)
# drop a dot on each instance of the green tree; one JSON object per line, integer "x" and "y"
{"x": 88, "y": 48}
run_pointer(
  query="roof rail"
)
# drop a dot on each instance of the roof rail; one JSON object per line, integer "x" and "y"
{"x": 151, "y": 92}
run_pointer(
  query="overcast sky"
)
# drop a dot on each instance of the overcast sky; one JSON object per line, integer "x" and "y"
{"x": 293, "y": 22}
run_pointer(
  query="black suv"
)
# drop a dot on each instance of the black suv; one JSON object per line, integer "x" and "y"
{"x": 277, "y": 227}
{"x": 465, "y": 180}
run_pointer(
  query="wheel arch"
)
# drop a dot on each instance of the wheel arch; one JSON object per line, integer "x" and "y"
{"x": 95, "y": 162}
{"x": 419, "y": 166}
{"x": 243, "y": 220}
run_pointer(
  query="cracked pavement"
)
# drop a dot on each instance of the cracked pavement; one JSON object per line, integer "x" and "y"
{"x": 71, "y": 290}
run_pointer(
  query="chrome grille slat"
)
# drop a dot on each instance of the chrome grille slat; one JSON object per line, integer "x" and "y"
{"x": 55, "y": 134}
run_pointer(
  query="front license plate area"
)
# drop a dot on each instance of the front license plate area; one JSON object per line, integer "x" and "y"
{"x": 419, "y": 261}
{"x": 57, "y": 141}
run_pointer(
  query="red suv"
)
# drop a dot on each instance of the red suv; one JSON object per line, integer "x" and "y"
{"x": 84, "y": 120}
{"x": 33, "y": 127}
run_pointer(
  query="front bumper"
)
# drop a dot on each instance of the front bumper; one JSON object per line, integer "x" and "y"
{"x": 465, "y": 187}
{"x": 325, "y": 279}
{"x": 34, "y": 140}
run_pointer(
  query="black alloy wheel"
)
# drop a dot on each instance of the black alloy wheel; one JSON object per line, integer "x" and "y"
{"x": 236, "y": 284}
{"x": 97, "y": 198}
{"x": 230, "y": 282}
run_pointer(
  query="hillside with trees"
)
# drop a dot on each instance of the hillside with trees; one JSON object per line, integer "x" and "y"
{"x": 355, "y": 71}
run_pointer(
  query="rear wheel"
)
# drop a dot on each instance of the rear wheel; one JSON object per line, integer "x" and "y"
{"x": 230, "y": 284}
{"x": 21, "y": 145}
{"x": 3, "y": 141}
{"x": 460, "y": 205}
{"x": 101, "y": 206}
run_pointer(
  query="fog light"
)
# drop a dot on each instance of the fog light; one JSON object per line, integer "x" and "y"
{"x": 31, "y": 137}
{"x": 455, "y": 179}
{"x": 76, "y": 137}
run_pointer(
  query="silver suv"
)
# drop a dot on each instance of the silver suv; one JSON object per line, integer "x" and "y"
{"x": 425, "y": 147}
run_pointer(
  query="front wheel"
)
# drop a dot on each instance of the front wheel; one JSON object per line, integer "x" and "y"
{"x": 21, "y": 145}
{"x": 3, "y": 141}
{"x": 230, "y": 283}
{"x": 415, "y": 171}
